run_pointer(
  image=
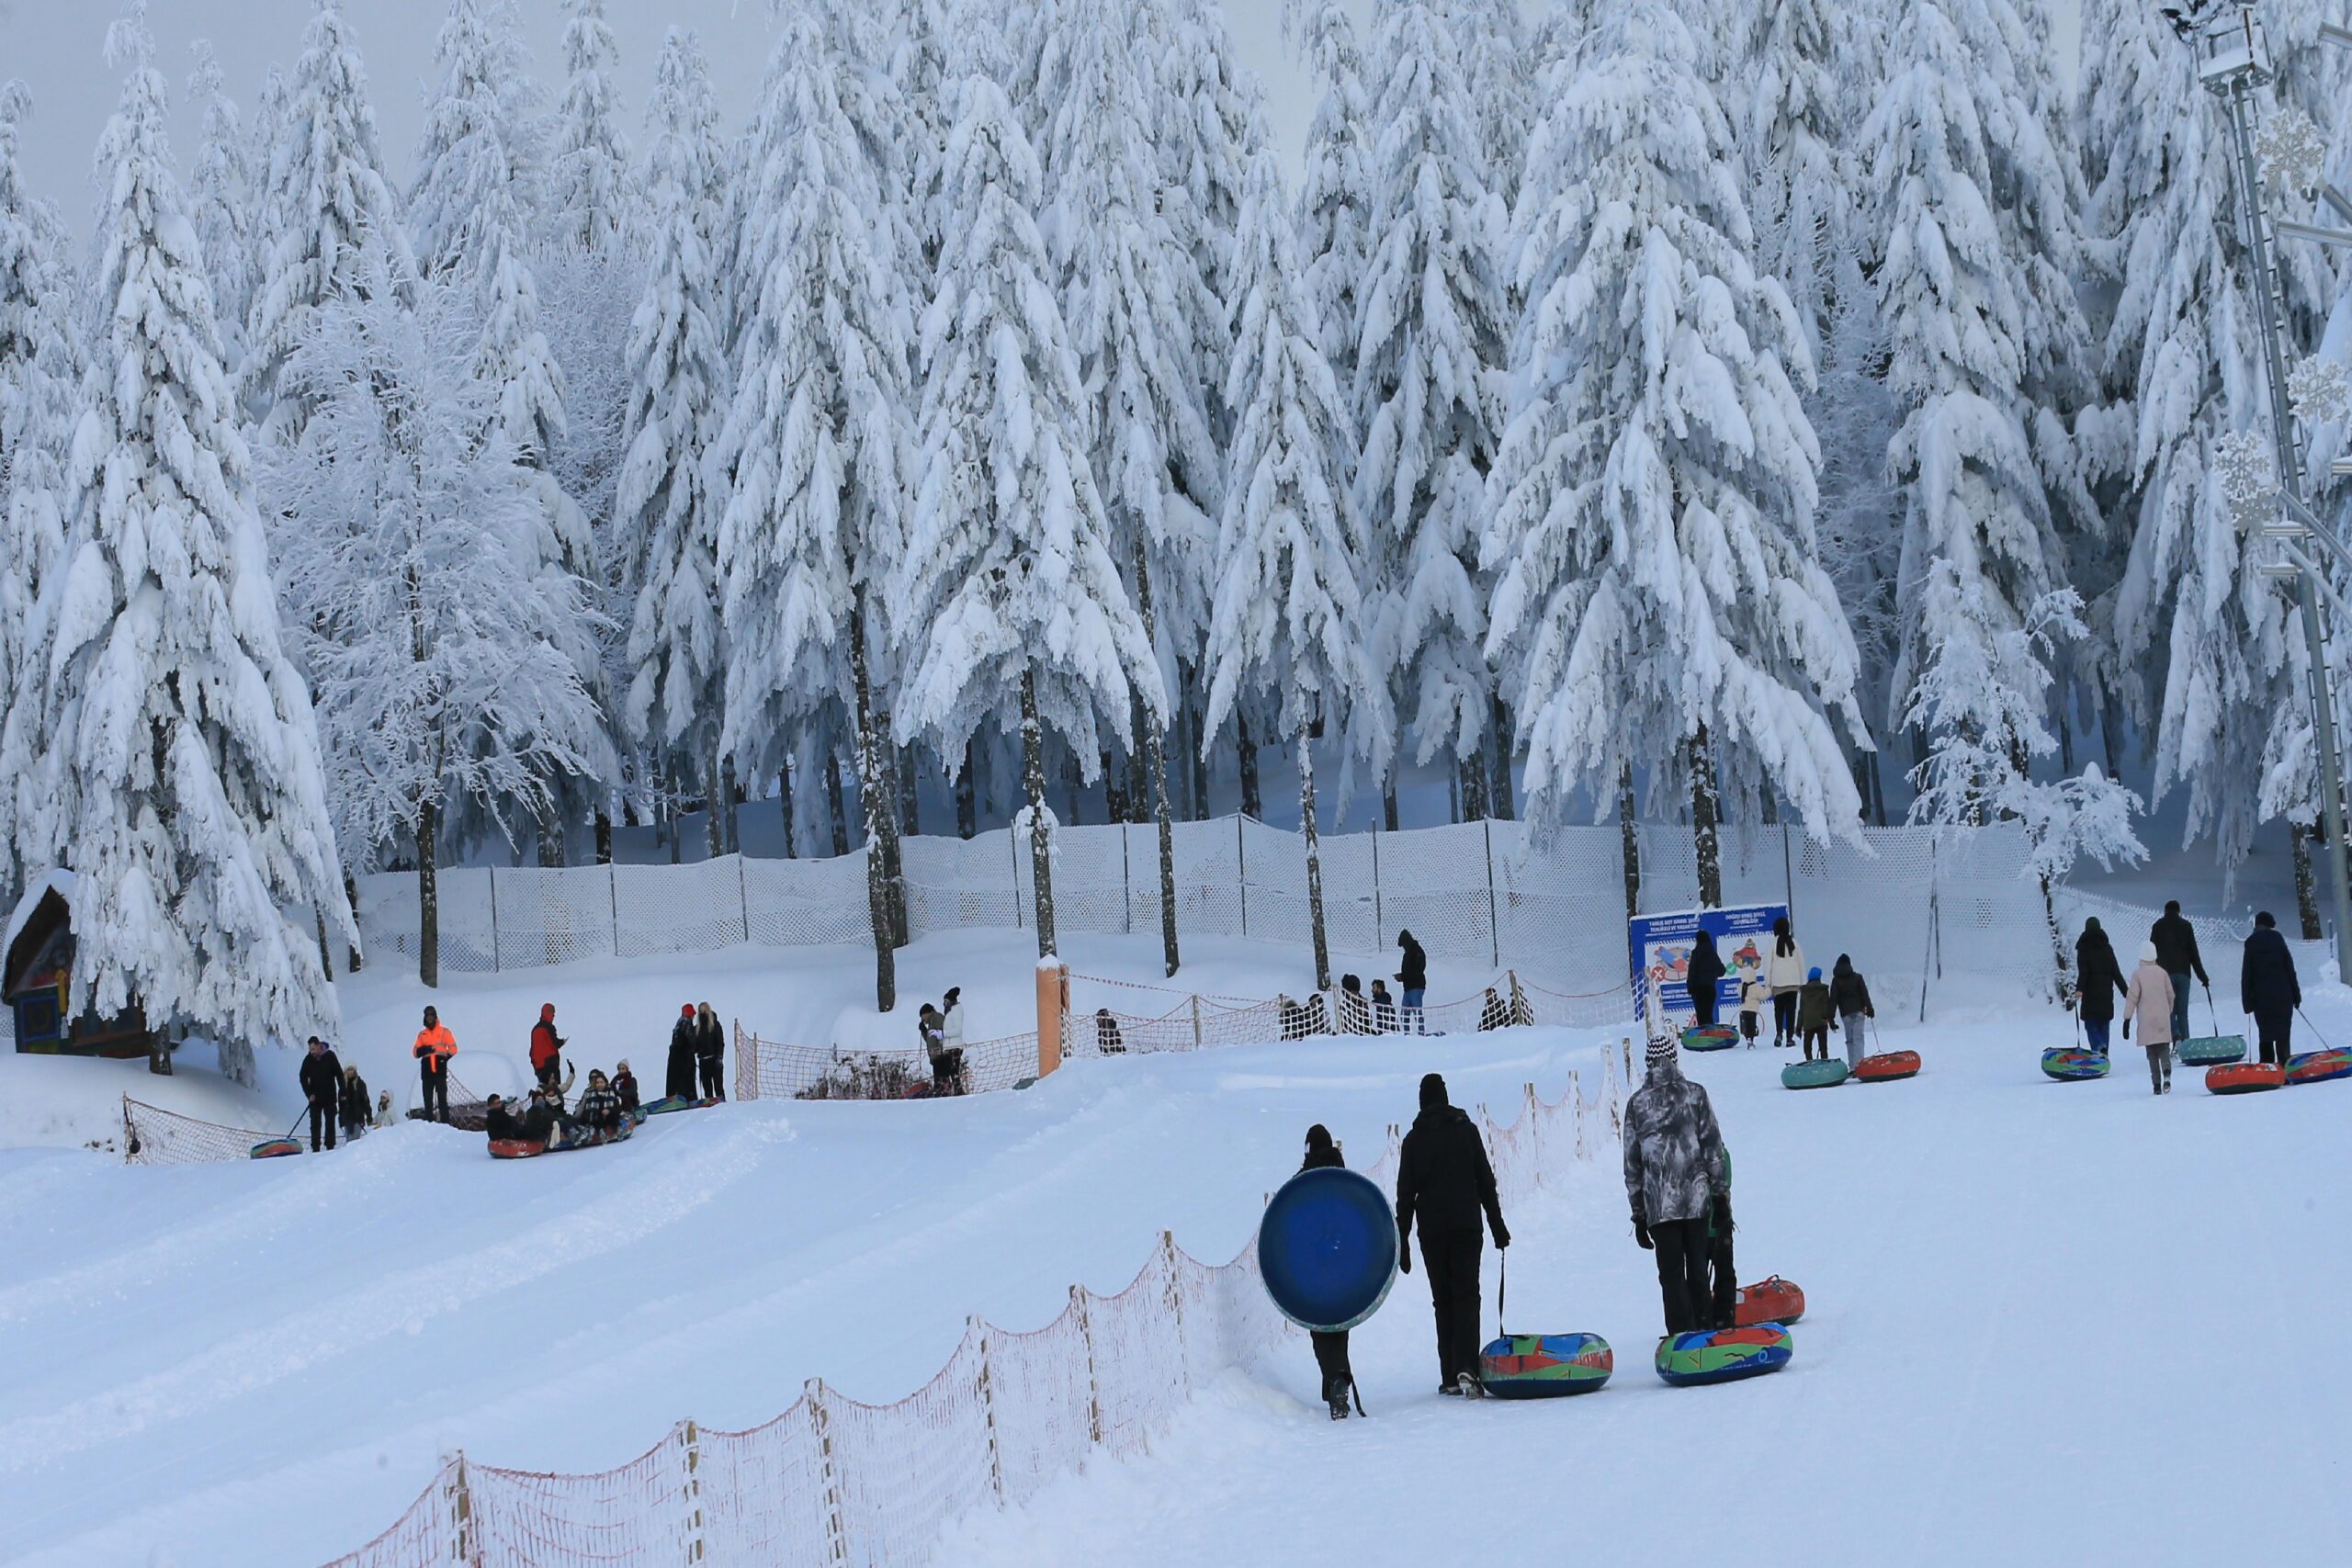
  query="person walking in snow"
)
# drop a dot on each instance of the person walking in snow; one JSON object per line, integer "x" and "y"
{"x": 1812, "y": 1014}
{"x": 1413, "y": 980}
{"x": 1676, "y": 1172}
{"x": 547, "y": 1045}
{"x": 352, "y": 1104}
{"x": 2176, "y": 942}
{"x": 1784, "y": 972}
{"x": 1330, "y": 1348}
{"x": 2099, "y": 981}
{"x": 322, "y": 1080}
{"x": 678, "y": 1083}
{"x": 1849, "y": 998}
{"x": 2148, "y": 1002}
{"x": 2268, "y": 990}
{"x": 710, "y": 1052}
{"x": 1754, "y": 996}
{"x": 1703, "y": 974}
{"x": 1444, "y": 1180}
{"x": 434, "y": 1045}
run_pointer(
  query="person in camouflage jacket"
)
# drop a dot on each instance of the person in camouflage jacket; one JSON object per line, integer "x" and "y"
{"x": 1677, "y": 1176}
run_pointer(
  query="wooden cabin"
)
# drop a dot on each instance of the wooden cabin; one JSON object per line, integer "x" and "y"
{"x": 37, "y": 983}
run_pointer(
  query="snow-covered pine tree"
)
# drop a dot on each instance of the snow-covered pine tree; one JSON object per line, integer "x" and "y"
{"x": 183, "y": 762}
{"x": 1007, "y": 597}
{"x": 1429, "y": 394}
{"x": 322, "y": 183}
{"x": 1130, "y": 292}
{"x": 222, "y": 196}
{"x": 592, "y": 204}
{"x": 409, "y": 548}
{"x": 667, "y": 509}
{"x": 1659, "y": 594}
{"x": 39, "y": 377}
{"x": 1288, "y": 617}
{"x": 816, "y": 437}
{"x": 1335, "y": 195}
{"x": 1493, "y": 37}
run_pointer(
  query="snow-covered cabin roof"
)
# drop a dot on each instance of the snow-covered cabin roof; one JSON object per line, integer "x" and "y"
{"x": 60, "y": 882}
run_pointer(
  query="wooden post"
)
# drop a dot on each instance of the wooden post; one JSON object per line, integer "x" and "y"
{"x": 974, "y": 1325}
{"x": 1175, "y": 1291}
{"x": 1093, "y": 1389}
{"x": 461, "y": 1499}
{"x": 1053, "y": 1014}
{"x": 830, "y": 1470}
{"x": 690, "y": 1437}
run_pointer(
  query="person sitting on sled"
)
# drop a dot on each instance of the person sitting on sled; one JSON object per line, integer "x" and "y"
{"x": 625, "y": 1085}
{"x": 600, "y": 1108}
{"x": 1331, "y": 1349}
{"x": 502, "y": 1125}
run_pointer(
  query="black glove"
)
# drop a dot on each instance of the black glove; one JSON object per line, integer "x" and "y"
{"x": 1722, "y": 1212}
{"x": 2126, "y": 1028}
{"x": 1502, "y": 1236}
{"x": 1404, "y": 1249}
{"x": 1642, "y": 1235}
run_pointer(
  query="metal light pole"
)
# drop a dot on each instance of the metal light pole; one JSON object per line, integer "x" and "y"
{"x": 2233, "y": 63}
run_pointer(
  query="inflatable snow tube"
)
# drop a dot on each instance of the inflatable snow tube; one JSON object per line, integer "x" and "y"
{"x": 1723, "y": 1354}
{"x": 1715, "y": 1037}
{"x": 2073, "y": 1064}
{"x": 1774, "y": 1301}
{"x": 1545, "y": 1366}
{"x": 1328, "y": 1249}
{"x": 2320, "y": 1066}
{"x": 525, "y": 1148}
{"x": 275, "y": 1148}
{"x": 1812, "y": 1075}
{"x": 668, "y": 1104}
{"x": 1888, "y": 1067}
{"x": 2248, "y": 1077}
{"x": 2211, "y": 1051}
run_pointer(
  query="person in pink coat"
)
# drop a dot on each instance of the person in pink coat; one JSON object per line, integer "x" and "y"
{"x": 2147, "y": 1001}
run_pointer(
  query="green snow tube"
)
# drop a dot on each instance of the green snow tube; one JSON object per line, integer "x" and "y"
{"x": 1814, "y": 1075}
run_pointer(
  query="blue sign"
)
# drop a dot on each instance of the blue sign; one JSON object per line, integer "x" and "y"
{"x": 1661, "y": 946}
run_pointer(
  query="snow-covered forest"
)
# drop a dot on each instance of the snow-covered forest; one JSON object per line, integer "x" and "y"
{"x": 1783, "y": 411}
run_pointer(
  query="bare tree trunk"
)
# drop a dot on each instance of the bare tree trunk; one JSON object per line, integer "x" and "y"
{"x": 1247, "y": 745}
{"x": 833, "y": 802}
{"x": 603, "y": 837}
{"x": 1074, "y": 789}
{"x": 1155, "y": 758}
{"x": 874, "y": 798}
{"x": 783, "y": 804}
{"x": 886, "y": 825}
{"x": 326, "y": 948}
{"x": 910, "y": 795}
{"x": 1632, "y": 841}
{"x": 733, "y": 794}
{"x": 1314, "y": 861}
{"x": 1388, "y": 798}
{"x": 714, "y": 821}
{"x": 352, "y": 958}
{"x": 968, "y": 791}
{"x": 1196, "y": 743}
{"x": 1499, "y": 791}
{"x": 1706, "y": 844}
{"x": 1473, "y": 775}
{"x": 428, "y": 895}
{"x": 551, "y": 848}
{"x": 1114, "y": 794}
{"x": 2057, "y": 945}
{"x": 2299, "y": 835}
{"x": 1041, "y": 844}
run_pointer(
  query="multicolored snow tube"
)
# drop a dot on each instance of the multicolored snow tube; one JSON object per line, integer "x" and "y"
{"x": 2071, "y": 1063}
{"x": 1814, "y": 1075}
{"x": 668, "y": 1104}
{"x": 1723, "y": 1354}
{"x": 524, "y": 1148}
{"x": 2319, "y": 1067}
{"x": 275, "y": 1148}
{"x": 1774, "y": 1301}
{"x": 1715, "y": 1037}
{"x": 2210, "y": 1049}
{"x": 1887, "y": 1067}
{"x": 1545, "y": 1366}
{"x": 2246, "y": 1078}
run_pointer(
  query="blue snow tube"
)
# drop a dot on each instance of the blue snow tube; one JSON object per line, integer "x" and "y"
{"x": 1327, "y": 1248}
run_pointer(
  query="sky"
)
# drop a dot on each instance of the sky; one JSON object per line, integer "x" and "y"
{"x": 57, "y": 47}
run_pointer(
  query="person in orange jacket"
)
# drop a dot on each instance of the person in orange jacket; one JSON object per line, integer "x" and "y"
{"x": 435, "y": 1046}
{"x": 547, "y": 1045}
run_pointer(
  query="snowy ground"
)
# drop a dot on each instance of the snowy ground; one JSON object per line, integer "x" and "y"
{"x": 2037, "y": 1309}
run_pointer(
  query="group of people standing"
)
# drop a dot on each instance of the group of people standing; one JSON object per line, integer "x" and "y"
{"x": 698, "y": 1056}
{"x": 337, "y": 1096}
{"x": 1803, "y": 1005}
{"x": 2155, "y": 996}
{"x": 941, "y": 1031}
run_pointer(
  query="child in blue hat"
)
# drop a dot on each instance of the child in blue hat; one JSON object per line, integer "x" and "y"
{"x": 1812, "y": 1014}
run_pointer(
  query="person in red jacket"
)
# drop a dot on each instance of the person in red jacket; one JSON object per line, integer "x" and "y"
{"x": 547, "y": 1045}
{"x": 435, "y": 1046}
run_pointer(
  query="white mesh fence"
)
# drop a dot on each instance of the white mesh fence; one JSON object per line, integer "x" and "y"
{"x": 834, "y": 1481}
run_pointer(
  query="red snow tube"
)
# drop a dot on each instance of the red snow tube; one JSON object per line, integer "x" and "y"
{"x": 1774, "y": 1301}
{"x": 2244, "y": 1077}
{"x": 1888, "y": 1067}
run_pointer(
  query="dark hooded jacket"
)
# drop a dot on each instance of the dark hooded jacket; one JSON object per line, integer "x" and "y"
{"x": 1849, "y": 992}
{"x": 1675, "y": 1161}
{"x": 1443, "y": 1177}
{"x": 2176, "y": 942}
{"x": 1322, "y": 1155}
{"x": 1413, "y": 969}
{"x": 2099, "y": 978}
{"x": 1705, "y": 970}
{"x": 321, "y": 1079}
{"x": 2266, "y": 980}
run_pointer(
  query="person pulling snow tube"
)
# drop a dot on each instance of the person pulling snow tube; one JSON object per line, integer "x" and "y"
{"x": 1328, "y": 1249}
{"x": 1723, "y": 1354}
{"x": 2320, "y": 1066}
{"x": 1821, "y": 1072}
{"x": 2246, "y": 1078}
{"x": 2071, "y": 1063}
{"x": 1888, "y": 1067}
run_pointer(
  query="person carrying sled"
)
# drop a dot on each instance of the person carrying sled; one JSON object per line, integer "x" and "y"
{"x": 1754, "y": 996}
{"x": 600, "y": 1109}
{"x": 710, "y": 1052}
{"x": 625, "y": 1085}
{"x": 2099, "y": 981}
{"x": 1493, "y": 1013}
{"x": 1444, "y": 1180}
{"x": 678, "y": 1083}
{"x": 1413, "y": 980}
{"x": 1849, "y": 998}
{"x": 434, "y": 1045}
{"x": 352, "y": 1104}
{"x": 547, "y": 1045}
{"x": 1331, "y": 1348}
{"x": 1678, "y": 1179}
{"x": 1703, "y": 974}
{"x": 322, "y": 1080}
{"x": 1784, "y": 970}
{"x": 2267, "y": 988}
{"x": 2148, "y": 1002}
{"x": 2176, "y": 942}
{"x": 1812, "y": 1014}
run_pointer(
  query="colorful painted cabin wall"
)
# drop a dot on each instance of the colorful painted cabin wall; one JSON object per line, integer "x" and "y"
{"x": 36, "y": 982}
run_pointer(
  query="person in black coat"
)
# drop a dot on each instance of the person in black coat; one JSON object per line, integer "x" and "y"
{"x": 678, "y": 1083}
{"x": 1331, "y": 1349}
{"x": 502, "y": 1124}
{"x": 1412, "y": 980}
{"x": 1444, "y": 1180}
{"x": 710, "y": 1052}
{"x": 322, "y": 1080}
{"x": 1704, "y": 975}
{"x": 2267, "y": 988}
{"x": 2098, "y": 980}
{"x": 2177, "y": 955}
{"x": 352, "y": 1104}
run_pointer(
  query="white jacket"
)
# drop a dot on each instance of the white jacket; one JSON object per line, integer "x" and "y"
{"x": 952, "y": 1031}
{"x": 1784, "y": 974}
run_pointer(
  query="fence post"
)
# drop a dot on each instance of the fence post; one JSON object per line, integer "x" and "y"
{"x": 1494, "y": 922}
{"x": 460, "y": 1499}
{"x": 612, "y": 880}
{"x": 1379, "y": 920}
{"x": 497, "y": 958}
{"x": 836, "y": 1527}
{"x": 747, "y": 1063}
{"x": 692, "y": 1437}
{"x": 1126, "y": 883}
{"x": 1241, "y": 862}
{"x": 974, "y": 1325}
{"x": 1196, "y": 1021}
{"x": 743, "y": 895}
{"x": 1175, "y": 1295}
{"x": 1093, "y": 1389}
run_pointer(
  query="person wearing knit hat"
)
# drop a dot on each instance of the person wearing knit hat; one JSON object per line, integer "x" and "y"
{"x": 2148, "y": 1002}
{"x": 1814, "y": 1011}
{"x": 678, "y": 1083}
{"x": 1676, "y": 1179}
{"x": 2098, "y": 982}
{"x": 1444, "y": 1180}
{"x": 1323, "y": 1153}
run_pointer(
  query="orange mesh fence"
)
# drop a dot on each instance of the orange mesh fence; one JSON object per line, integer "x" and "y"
{"x": 834, "y": 1481}
{"x": 153, "y": 1135}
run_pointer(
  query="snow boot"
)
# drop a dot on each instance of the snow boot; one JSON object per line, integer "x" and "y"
{"x": 1449, "y": 1388}
{"x": 1470, "y": 1387}
{"x": 1335, "y": 1394}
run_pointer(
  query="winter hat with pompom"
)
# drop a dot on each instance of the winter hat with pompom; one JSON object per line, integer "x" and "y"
{"x": 1663, "y": 1051}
